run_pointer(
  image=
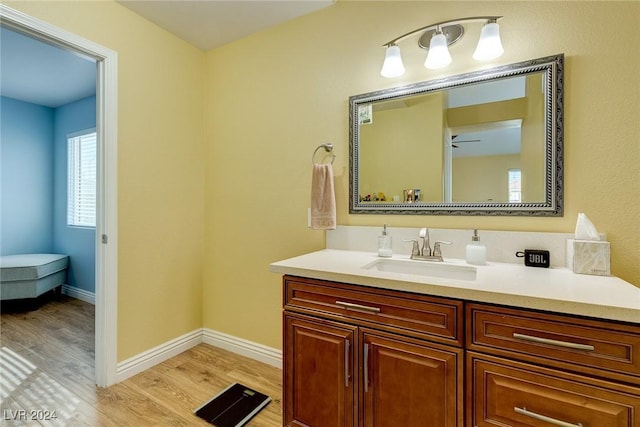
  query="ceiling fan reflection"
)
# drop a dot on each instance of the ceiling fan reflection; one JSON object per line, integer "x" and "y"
{"x": 462, "y": 142}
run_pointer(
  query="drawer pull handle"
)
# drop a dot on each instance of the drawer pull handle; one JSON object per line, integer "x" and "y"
{"x": 524, "y": 411}
{"x": 557, "y": 343}
{"x": 352, "y": 306}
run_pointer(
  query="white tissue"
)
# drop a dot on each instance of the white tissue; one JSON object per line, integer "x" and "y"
{"x": 587, "y": 254}
{"x": 585, "y": 230}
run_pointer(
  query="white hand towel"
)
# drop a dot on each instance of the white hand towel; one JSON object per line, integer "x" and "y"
{"x": 323, "y": 200}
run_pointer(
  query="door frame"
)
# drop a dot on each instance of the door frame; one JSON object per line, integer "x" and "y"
{"x": 106, "y": 321}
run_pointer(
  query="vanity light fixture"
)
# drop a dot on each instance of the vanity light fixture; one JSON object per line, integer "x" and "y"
{"x": 489, "y": 46}
{"x": 438, "y": 56}
{"x": 437, "y": 38}
{"x": 392, "y": 66}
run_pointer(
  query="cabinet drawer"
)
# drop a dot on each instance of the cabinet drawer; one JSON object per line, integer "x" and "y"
{"x": 508, "y": 393}
{"x": 440, "y": 319}
{"x": 604, "y": 349}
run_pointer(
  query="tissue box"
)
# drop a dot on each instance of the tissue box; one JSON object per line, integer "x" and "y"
{"x": 589, "y": 257}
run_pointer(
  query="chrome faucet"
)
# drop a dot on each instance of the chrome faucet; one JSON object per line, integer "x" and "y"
{"x": 424, "y": 252}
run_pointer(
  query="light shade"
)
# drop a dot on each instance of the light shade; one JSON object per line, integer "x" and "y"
{"x": 438, "y": 56}
{"x": 489, "y": 45}
{"x": 392, "y": 66}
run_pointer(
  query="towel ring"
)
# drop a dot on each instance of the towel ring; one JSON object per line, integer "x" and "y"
{"x": 328, "y": 147}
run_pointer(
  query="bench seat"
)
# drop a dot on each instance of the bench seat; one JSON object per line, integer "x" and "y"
{"x": 31, "y": 275}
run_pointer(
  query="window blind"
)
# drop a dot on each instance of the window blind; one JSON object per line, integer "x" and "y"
{"x": 515, "y": 186}
{"x": 82, "y": 166}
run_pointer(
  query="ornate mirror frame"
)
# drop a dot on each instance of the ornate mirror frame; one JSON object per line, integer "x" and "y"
{"x": 551, "y": 67}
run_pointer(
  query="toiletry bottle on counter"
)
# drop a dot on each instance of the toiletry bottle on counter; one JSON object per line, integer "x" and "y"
{"x": 384, "y": 244}
{"x": 476, "y": 251}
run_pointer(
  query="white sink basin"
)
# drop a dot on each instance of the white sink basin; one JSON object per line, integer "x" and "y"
{"x": 423, "y": 268}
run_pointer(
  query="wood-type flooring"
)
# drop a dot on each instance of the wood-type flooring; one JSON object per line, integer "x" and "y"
{"x": 47, "y": 375}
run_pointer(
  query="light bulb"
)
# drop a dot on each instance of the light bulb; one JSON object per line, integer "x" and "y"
{"x": 489, "y": 45}
{"x": 438, "y": 56}
{"x": 392, "y": 66}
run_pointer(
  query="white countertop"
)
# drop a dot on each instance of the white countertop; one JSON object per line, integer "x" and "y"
{"x": 551, "y": 289}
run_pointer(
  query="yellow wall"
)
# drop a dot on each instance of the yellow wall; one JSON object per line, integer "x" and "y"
{"x": 480, "y": 114}
{"x": 482, "y": 178}
{"x": 407, "y": 139}
{"x": 532, "y": 154}
{"x": 270, "y": 99}
{"x": 273, "y": 97}
{"x": 530, "y": 111}
{"x": 160, "y": 169}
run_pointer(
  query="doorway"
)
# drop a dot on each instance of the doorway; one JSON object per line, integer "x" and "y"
{"x": 106, "y": 242}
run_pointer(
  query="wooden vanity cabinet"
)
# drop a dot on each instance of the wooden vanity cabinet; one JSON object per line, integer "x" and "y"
{"x": 369, "y": 357}
{"x": 358, "y": 356}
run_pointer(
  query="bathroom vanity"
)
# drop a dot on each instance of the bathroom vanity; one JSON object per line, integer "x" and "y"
{"x": 507, "y": 346}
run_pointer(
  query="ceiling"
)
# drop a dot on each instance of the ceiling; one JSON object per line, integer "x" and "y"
{"x": 43, "y": 74}
{"x": 212, "y": 23}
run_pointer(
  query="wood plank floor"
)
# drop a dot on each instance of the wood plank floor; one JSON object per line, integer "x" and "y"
{"x": 47, "y": 369}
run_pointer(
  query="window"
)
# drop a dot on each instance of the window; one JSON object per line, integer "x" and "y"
{"x": 81, "y": 179}
{"x": 515, "y": 186}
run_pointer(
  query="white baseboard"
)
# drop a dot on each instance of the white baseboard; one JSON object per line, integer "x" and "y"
{"x": 159, "y": 354}
{"x": 252, "y": 350}
{"x": 80, "y": 294}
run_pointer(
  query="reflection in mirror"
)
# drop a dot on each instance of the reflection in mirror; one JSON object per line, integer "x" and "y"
{"x": 488, "y": 142}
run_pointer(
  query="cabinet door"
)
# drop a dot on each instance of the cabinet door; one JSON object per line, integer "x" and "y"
{"x": 410, "y": 384}
{"x": 318, "y": 373}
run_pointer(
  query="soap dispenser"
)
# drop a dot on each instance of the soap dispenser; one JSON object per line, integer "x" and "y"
{"x": 476, "y": 251}
{"x": 384, "y": 244}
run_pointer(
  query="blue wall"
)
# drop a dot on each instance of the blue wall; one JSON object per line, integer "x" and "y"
{"x": 26, "y": 180}
{"x": 33, "y": 151}
{"x": 77, "y": 242}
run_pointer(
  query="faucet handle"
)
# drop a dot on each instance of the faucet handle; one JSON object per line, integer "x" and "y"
{"x": 415, "y": 250}
{"x": 436, "y": 247}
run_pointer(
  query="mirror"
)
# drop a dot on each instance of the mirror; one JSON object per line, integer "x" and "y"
{"x": 482, "y": 143}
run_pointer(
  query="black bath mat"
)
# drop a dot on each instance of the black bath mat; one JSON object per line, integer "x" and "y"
{"x": 233, "y": 406}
